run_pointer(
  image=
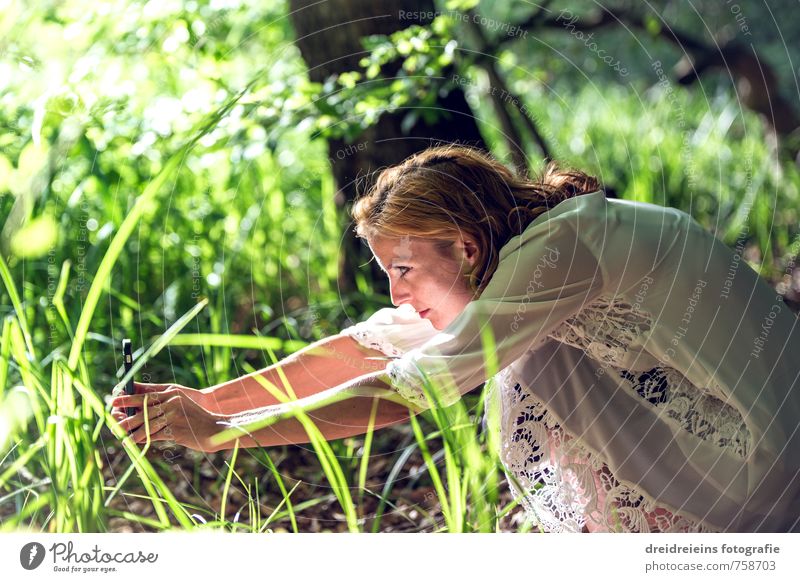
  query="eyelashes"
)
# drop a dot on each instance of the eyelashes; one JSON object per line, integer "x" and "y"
{"x": 403, "y": 271}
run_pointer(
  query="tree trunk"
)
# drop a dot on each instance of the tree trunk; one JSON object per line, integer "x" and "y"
{"x": 329, "y": 38}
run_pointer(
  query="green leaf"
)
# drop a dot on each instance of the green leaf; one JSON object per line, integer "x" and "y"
{"x": 36, "y": 238}
{"x": 5, "y": 173}
{"x": 460, "y": 4}
{"x": 652, "y": 24}
{"x": 31, "y": 161}
{"x": 404, "y": 47}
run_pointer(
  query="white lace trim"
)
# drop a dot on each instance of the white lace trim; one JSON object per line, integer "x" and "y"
{"x": 402, "y": 379}
{"x": 415, "y": 383}
{"x": 605, "y": 328}
{"x": 698, "y": 410}
{"x": 367, "y": 338}
{"x": 406, "y": 385}
{"x": 565, "y": 487}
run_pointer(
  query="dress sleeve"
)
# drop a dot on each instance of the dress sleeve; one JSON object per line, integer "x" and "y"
{"x": 392, "y": 330}
{"x": 544, "y": 276}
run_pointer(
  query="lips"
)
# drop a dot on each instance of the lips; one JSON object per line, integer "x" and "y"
{"x": 424, "y": 312}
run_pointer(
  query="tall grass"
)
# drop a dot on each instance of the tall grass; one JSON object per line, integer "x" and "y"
{"x": 226, "y": 255}
{"x": 467, "y": 484}
{"x": 53, "y": 469}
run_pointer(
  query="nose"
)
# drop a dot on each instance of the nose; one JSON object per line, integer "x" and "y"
{"x": 398, "y": 294}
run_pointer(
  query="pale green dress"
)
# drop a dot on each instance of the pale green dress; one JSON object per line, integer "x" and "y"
{"x": 649, "y": 377}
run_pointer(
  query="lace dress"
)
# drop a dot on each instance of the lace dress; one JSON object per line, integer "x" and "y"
{"x": 644, "y": 385}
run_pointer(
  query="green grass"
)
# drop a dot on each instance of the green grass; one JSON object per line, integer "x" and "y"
{"x": 217, "y": 261}
{"x": 53, "y": 419}
{"x": 56, "y": 418}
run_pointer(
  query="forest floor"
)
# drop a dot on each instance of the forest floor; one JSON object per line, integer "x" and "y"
{"x": 198, "y": 479}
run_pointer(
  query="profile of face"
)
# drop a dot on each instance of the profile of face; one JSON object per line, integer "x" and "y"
{"x": 423, "y": 275}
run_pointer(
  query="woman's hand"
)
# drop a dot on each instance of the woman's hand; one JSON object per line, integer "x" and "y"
{"x": 174, "y": 414}
{"x": 197, "y": 396}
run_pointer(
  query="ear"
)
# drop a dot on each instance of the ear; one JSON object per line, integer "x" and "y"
{"x": 468, "y": 249}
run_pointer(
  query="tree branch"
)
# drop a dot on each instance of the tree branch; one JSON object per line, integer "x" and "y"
{"x": 484, "y": 61}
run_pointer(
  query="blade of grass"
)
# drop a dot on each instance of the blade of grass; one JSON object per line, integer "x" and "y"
{"x": 432, "y": 470}
{"x": 8, "y": 281}
{"x": 5, "y": 353}
{"x": 282, "y": 487}
{"x": 117, "y": 244}
{"x": 231, "y": 464}
{"x": 362, "y": 469}
{"x": 162, "y": 341}
{"x": 249, "y": 342}
{"x": 387, "y": 487}
{"x": 328, "y": 461}
{"x": 284, "y": 500}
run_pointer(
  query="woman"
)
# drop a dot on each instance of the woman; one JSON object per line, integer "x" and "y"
{"x": 647, "y": 378}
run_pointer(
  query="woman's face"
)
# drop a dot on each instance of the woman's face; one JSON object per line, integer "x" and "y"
{"x": 431, "y": 280}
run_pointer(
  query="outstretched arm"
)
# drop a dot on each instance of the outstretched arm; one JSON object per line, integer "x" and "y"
{"x": 325, "y": 364}
{"x": 338, "y": 412}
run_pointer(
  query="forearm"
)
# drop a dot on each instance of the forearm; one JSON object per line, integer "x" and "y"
{"x": 244, "y": 393}
{"x": 339, "y": 412}
{"x": 322, "y": 365}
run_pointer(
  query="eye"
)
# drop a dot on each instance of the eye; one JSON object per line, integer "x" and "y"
{"x": 403, "y": 270}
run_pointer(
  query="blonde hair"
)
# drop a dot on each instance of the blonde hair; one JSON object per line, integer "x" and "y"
{"x": 446, "y": 192}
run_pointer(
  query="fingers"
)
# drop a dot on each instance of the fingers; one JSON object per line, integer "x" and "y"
{"x": 156, "y": 427}
{"x": 137, "y": 420}
{"x": 147, "y": 387}
{"x": 137, "y": 400}
{"x": 158, "y": 403}
{"x": 139, "y": 388}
